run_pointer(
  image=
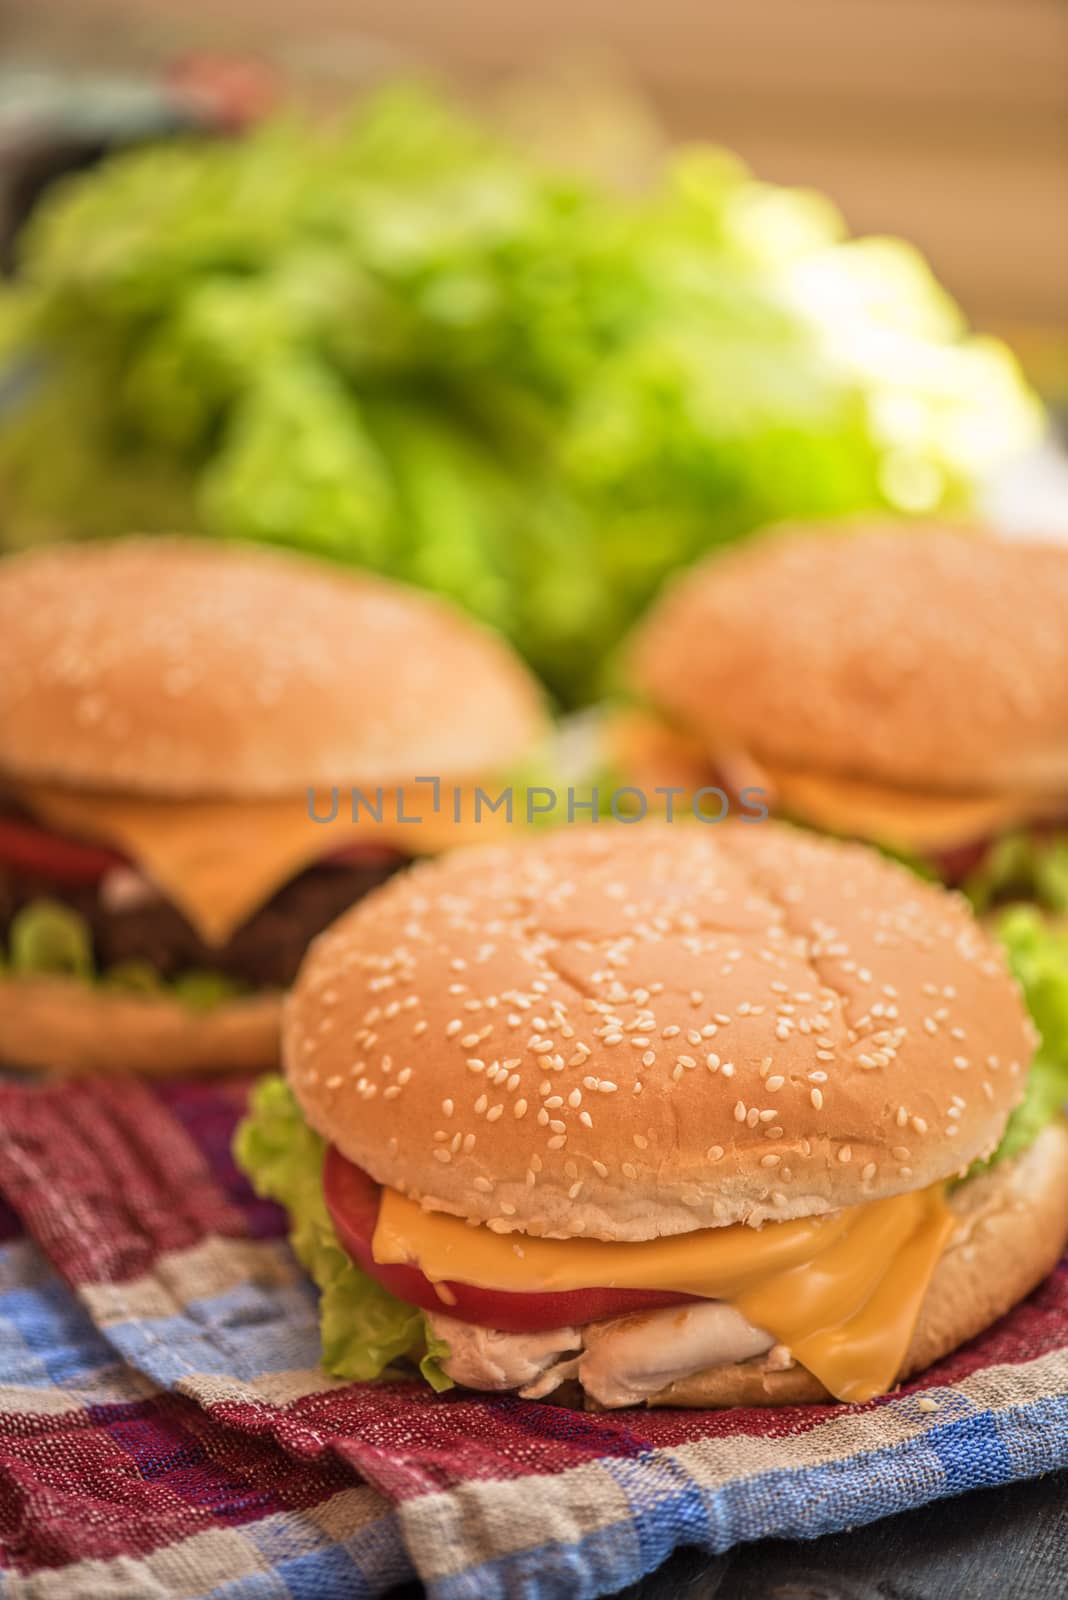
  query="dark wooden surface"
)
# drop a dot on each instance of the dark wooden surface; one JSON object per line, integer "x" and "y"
{"x": 998, "y": 1544}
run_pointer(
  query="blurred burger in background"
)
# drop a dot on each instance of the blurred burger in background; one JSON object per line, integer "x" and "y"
{"x": 903, "y": 685}
{"x": 177, "y": 721}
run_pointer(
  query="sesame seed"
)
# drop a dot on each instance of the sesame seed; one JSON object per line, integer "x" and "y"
{"x": 816, "y": 1097}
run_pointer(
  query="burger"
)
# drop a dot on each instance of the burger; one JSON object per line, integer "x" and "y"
{"x": 663, "y": 1115}
{"x": 178, "y": 722}
{"x": 907, "y": 686}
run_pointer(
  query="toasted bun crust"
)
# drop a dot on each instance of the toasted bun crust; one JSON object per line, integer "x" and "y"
{"x": 625, "y": 1032}
{"x": 927, "y": 657}
{"x": 176, "y": 667}
{"x": 1013, "y": 1230}
{"x": 60, "y": 1025}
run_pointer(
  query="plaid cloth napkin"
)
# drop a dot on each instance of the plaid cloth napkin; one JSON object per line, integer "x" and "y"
{"x": 164, "y": 1430}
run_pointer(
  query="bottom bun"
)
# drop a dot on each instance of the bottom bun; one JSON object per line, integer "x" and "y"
{"x": 63, "y": 1026}
{"x": 1012, "y": 1231}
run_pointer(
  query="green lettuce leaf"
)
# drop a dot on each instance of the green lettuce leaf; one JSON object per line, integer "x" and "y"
{"x": 1038, "y": 956}
{"x": 49, "y": 939}
{"x": 1023, "y": 866}
{"x": 364, "y": 1327}
{"x": 404, "y": 341}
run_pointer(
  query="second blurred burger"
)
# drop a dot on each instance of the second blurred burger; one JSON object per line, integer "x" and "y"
{"x": 176, "y": 720}
{"x": 905, "y": 686}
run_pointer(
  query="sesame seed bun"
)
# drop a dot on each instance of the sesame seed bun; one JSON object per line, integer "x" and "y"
{"x": 1012, "y": 1230}
{"x": 60, "y": 1025}
{"x": 626, "y": 1032}
{"x": 176, "y": 667}
{"x": 920, "y": 656}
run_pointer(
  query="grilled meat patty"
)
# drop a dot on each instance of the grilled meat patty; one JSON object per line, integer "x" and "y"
{"x": 264, "y": 953}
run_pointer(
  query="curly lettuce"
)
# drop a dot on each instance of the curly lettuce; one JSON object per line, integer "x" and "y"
{"x": 404, "y": 343}
{"x": 1038, "y": 956}
{"x": 364, "y": 1328}
{"x": 49, "y": 939}
{"x": 1023, "y": 866}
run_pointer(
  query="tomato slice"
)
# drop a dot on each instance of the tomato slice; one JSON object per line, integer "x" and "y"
{"x": 31, "y": 849}
{"x": 352, "y": 1201}
{"x": 955, "y": 864}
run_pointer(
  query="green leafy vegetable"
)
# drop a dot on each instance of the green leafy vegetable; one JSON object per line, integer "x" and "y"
{"x": 1038, "y": 955}
{"x": 133, "y": 977}
{"x": 203, "y": 991}
{"x": 364, "y": 1327}
{"x": 49, "y": 939}
{"x": 405, "y": 344}
{"x": 1025, "y": 866}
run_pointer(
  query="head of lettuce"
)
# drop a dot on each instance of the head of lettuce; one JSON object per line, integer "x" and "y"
{"x": 403, "y": 343}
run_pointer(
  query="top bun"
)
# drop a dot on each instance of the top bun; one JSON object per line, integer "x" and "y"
{"x": 178, "y": 667}
{"x": 627, "y": 1031}
{"x": 920, "y": 656}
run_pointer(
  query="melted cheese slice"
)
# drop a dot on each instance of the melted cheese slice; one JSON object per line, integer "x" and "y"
{"x": 652, "y": 754}
{"x": 843, "y": 1293}
{"x": 905, "y": 817}
{"x": 221, "y": 860}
